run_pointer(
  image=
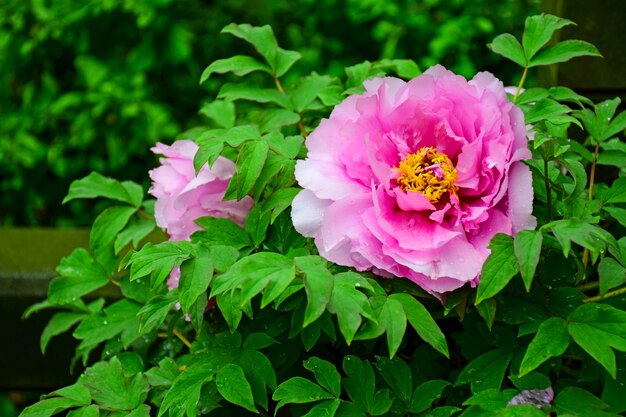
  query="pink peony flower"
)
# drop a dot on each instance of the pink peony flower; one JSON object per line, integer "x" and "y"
{"x": 413, "y": 179}
{"x": 182, "y": 197}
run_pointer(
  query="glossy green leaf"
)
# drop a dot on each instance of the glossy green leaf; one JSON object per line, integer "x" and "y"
{"x": 96, "y": 185}
{"x": 158, "y": 260}
{"x": 299, "y": 390}
{"x": 398, "y": 376}
{"x": 232, "y": 384}
{"x": 597, "y": 328}
{"x": 499, "y": 268}
{"x": 426, "y": 394}
{"x": 250, "y": 163}
{"x": 527, "y": 248}
{"x": 222, "y": 232}
{"x": 137, "y": 229}
{"x": 551, "y": 340}
{"x": 318, "y": 283}
{"x": 509, "y": 47}
{"x": 486, "y": 371}
{"x": 221, "y": 112}
{"x": 361, "y": 383}
{"x": 577, "y": 402}
{"x": 350, "y": 304}
{"x": 196, "y": 273}
{"x": 109, "y": 387}
{"x": 152, "y": 315}
{"x": 59, "y": 323}
{"x": 539, "y": 30}
{"x": 79, "y": 274}
{"x": 251, "y": 93}
{"x": 611, "y": 273}
{"x": 240, "y": 65}
{"x": 325, "y": 374}
{"x": 564, "y": 51}
{"x": 423, "y": 323}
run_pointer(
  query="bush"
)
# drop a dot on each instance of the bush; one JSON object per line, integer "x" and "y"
{"x": 90, "y": 85}
{"x": 348, "y": 290}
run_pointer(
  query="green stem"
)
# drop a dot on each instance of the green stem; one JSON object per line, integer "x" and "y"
{"x": 609, "y": 294}
{"x": 182, "y": 338}
{"x": 588, "y": 286}
{"x": 592, "y": 179}
{"x": 300, "y": 124}
{"x": 521, "y": 83}
{"x": 548, "y": 187}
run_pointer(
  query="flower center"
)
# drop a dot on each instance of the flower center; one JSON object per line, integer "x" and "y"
{"x": 428, "y": 172}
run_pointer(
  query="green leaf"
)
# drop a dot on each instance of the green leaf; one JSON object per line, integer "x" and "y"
{"x": 266, "y": 271}
{"x": 96, "y": 185}
{"x": 256, "y": 225}
{"x": 224, "y": 232}
{"x": 184, "y": 394}
{"x": 546, "y": 109}
{"x": 586, "y": 235}
{"x": 349, "y": 304}
{"x": 230, "y": 306}
{"x": 612, "y": 158}
{"x": 299, "y": 390}
{"x": 260, "y": 373}
{"x": 89, "y": 411}
{"x": 306, "y": 92}
{"x": 46, "y": 408}
{"x": 532, "y": 95}
{"x": 119, "y": 317}
{"x": 234, "y": 387}
{"x": 251, "y": 93}
{"x": 250, "y": 163}
{"x": 262, "y": 38}
{"x": 195, "y": 277}
{"x": 109, "y": 387}
{"x": 527, "y": 248}
{"x": 277, "y": 118}
{"x": 577, "y": 402}
{"x": 487, "y": 310}
{"x": 498, "y": 269}
{"x": 59, "y": 323}
{"x": 135, "y": 232}
{"x": 551, "y": 340}
{"x": 597, "y": 328}
{"x": 318, "y": 283}
{"x": 158, "y": 260}
{"x": 221, "y": 112}
{"x": 509, "y": 47}
{"x": 398, "y": 376}
{"x": 153, "y": 314}
{"x": 539, "y": 30}
{"x": 426, "y": 394}
{"x": 279, "y": 201}
{"x": 240, "y": 65}
{"x": 617, "y": 192}
{"x": 104, "y": 231}
{"x": 77, "y": 392}
{"x": 360, "y": 384}
{"x": 325, "y": 374}
{"x": 617, "y": 213}
{"x": 326, "y": 408}
{"x": 564, "y": 51}
{"x": 258, "y": 341}
{"x": 611, "y": 273}
{"x": 79, "y": 274}
{"x": 486, "y": 371}
{"x": 423, "y": 323}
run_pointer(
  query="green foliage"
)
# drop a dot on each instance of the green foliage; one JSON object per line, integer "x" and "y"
{"x": 91, "y": 85}
{"x": 261, "y": 324}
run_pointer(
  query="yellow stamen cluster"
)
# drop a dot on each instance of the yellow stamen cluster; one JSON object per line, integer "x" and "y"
{"x": 428, "y": 172}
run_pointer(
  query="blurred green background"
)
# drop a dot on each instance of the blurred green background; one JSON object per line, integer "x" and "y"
{"x": 91, "y": 85}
